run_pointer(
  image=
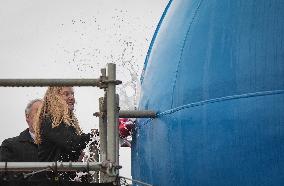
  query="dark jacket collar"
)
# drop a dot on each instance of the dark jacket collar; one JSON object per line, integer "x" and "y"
{"x": 25, "y": 136}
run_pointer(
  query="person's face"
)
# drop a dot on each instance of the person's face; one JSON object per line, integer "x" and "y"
{"x": 67, "y": 93}
{"x": 30, "y": 117}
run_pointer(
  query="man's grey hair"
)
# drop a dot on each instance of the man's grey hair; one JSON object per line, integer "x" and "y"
{"x": 30, "y": 104}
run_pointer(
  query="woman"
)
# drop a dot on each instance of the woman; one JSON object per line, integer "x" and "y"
{"x": 57, "y": 130}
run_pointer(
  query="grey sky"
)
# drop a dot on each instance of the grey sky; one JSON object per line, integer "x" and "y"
{"x": 72, "y": 39}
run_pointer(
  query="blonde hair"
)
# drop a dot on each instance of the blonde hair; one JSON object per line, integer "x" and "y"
{"x": 57, "y": 109}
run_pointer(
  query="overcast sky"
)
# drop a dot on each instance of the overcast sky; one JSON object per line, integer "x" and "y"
{"x": 73, "y": 39}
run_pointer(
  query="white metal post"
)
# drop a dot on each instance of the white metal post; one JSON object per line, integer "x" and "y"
{"x": 112, "y": 128}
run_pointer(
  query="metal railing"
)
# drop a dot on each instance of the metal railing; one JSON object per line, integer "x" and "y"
{"x": 59, "y": 166}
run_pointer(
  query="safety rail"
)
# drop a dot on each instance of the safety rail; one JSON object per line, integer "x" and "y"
{"x": 59, "y": 166}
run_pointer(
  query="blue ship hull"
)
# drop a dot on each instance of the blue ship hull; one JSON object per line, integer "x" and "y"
{"x": 215, "y": 73}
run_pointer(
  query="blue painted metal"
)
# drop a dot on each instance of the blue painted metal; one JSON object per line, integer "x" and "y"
{"x": 215, "y": 73}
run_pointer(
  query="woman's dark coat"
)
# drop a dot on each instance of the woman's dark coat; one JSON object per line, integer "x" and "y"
{"x": 60, "y": 143}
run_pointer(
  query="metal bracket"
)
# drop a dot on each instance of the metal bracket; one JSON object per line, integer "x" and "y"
{"x": 110, "y": 168}
{"x": 103, "y": 84}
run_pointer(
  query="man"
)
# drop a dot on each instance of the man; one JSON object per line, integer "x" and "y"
{"x": 22, "y": 148}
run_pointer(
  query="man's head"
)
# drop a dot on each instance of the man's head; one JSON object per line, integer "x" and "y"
{"x": 31, "y": 111}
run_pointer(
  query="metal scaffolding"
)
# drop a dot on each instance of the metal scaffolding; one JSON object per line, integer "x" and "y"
{"x": 108, "y": 124}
